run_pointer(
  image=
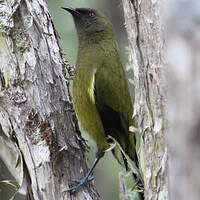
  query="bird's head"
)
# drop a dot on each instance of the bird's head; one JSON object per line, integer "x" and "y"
{"x": 90, "y": 22}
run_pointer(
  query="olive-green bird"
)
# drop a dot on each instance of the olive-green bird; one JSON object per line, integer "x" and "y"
{"x": 101, "y": 97}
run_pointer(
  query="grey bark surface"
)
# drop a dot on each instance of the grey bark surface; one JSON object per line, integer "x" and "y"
{"x": 38, "y": 135}
{"x": 145, "y": 33}
{"x": 183, "y": 50}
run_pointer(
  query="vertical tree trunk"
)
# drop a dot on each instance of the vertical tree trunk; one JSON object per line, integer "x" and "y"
{"x": 144, "y": 28}
{"x": 38, "y": 133}
{"x": 183, "y": 50}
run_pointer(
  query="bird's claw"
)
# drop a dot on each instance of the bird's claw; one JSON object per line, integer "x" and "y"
{"x": 81, "y": 183}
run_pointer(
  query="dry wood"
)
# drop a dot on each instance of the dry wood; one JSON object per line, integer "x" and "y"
{"x": 39, "y": 140}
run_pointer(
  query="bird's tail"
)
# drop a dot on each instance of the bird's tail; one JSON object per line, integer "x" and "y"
{"x": 128, "y": 158}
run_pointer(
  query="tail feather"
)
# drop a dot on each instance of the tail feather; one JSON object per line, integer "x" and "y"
{"x": 116, "y": 128}
{"x": 130, "y": 165}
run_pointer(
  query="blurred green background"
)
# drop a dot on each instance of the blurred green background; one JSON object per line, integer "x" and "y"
{"x": 107, "y": 170}
{"x": 106, "y": 173}
{"x": 65, "y": 26}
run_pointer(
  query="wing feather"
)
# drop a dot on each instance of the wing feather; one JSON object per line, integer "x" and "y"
{"x": 113, "y": 100}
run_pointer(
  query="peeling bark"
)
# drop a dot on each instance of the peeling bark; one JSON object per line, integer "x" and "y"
{"x": 42, "y": 147}
{"x": 145, "y": 33}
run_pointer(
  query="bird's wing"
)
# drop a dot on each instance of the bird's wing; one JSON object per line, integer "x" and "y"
{"x": 111, "y": 83}
{"x": 113, "y": 99}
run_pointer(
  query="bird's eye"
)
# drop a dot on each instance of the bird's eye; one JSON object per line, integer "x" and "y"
{"x": 91, "y": 14}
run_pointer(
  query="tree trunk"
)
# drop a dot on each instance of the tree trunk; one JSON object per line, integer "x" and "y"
{"x": 183, "y": 50}
{"x": 145, "y": 33}
{"x": 39, "y": 140}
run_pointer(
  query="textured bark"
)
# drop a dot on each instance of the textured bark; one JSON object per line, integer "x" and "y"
{"x": 38, "y": 138}
{"x": 183, "y": 50}
{"x": 144, "y": 28}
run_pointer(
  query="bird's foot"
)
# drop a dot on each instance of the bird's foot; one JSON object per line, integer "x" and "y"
{"x": 80, "y": 183}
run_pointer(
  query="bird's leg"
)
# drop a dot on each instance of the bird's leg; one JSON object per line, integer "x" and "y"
{"x": 88, "y": 178}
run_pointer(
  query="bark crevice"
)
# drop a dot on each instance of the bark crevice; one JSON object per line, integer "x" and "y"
{"x": 35, "y": 103}
{"x": 144, "y": 29}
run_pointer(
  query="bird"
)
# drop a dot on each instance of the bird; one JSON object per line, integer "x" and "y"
{"x": 100, "y": 92}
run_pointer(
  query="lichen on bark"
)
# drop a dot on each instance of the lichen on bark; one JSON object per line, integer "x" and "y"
{"x": 38, "y": 129}
{"x": 145, "y": 34}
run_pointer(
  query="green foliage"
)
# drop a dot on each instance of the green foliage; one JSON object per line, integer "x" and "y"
{"x": 126, "y": 191}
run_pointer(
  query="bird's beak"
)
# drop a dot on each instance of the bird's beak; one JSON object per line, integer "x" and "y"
{"x": 71, "y": 10}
